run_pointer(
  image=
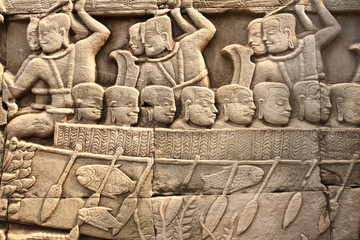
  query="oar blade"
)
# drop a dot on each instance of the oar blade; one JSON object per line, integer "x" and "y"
{"x": 50, "y": 202}
{"x": 126, "y": 211}
{"x": 215, "y": 214}
{"x": 292, "y": 209}
{"x": 247, "y": 216}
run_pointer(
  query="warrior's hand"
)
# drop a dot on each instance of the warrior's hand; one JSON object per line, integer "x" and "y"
{"x": 68, "y": 7}
{"x": 173, "y": 3}
{"x": 80, "y": 5}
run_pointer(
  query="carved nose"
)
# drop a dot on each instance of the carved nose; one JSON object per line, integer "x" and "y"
{"x": 214, "y": 110}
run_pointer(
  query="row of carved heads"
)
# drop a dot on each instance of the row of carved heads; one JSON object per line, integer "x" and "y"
{"x": 230, "y": 106}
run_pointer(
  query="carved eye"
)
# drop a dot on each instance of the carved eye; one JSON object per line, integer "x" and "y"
{"x": 280, "y": 103}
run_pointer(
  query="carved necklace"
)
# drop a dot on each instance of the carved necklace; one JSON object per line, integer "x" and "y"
{"x": 170, "y": 55}
{"x": 55, "y": 69}
{"x": 289, "y": 56}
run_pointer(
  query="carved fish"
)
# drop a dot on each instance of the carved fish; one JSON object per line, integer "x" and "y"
{"x": 91, "y": 176}
{"x": 246, "y": 176}
{"x": 99, "y": 217}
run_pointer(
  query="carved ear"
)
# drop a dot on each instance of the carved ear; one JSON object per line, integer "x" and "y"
{"x": 166, "y": 39}
{"x": 225, "y": 108}
{"x": 186, "y": 110}
{"x": 261, "y": 114}
{"x": 340, "y": 113}
{"x": 112, "y": 115}
{"x": 289, "y": 35}
{"x": 301, "y": 107}
{"x": 150, "y": 114}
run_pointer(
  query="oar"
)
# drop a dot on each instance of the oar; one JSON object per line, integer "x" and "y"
{"x": 218, "y": 207}
{"x": 295, "y": 202}
{"x": 128, "y": 206}
{"x": 54, "y": 193}
{"x": 249, "y": 212}
{"x": 190, "y": 174}
{"x": 334, "y": 203}
{"x": 281, "y": 8}
{"x": 95, "y": 198}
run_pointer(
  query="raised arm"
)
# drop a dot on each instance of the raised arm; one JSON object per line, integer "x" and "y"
{"x": 100, "y": 33}
{"x": 205, "y": 29}
{"x": 304, "y": 19}
{"x": 185, "y": 26}
{"x": 332, "y": 27}
{"x": 80, "y": 30}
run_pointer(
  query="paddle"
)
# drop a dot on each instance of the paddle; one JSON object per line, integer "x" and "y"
{"x": 250, "y": 210}
{"x": 53, "y": 195}
{"x": 128, "y": 206}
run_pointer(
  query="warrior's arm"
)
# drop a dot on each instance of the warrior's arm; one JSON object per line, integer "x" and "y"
{"x": 206, "y": 30}
{"x": 304, "y": 20}
{"x": 332, "y": 27}
{"x": 80, "y": 30}
{"x": 25, "y": 80}
{"x": 100, "y": 32}
{"x": 142, "y": 80}
{"x": 183, "y": 24}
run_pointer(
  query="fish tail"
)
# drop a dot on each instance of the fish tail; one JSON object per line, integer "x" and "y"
{"x": 117, "y": 228}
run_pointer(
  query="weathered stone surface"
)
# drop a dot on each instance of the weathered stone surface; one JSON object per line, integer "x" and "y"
{"x": 169, "y": 119}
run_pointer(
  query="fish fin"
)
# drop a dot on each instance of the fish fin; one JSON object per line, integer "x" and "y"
{"x": 117, "y": 228}
{"x": 95, "y": 224}
{"x": 104, "y": 208}
{"x": 117, "y": 166}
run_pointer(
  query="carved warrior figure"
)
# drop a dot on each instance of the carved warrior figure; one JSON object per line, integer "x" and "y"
{"x": 175, "y": 64}
{"x": 61, "y": 66}
{"x": 88, "y": 98}
{"x": 122, "y": 106}
{"x": 197, "y": 109}
{"x": 346, "y": 105}
{"x": 236, "y": 106}
{"x": 157, "y": 106}
{"x": 272, "y": 104}
{"x": 291, "y": 59}
{"x": 312, "y": 103}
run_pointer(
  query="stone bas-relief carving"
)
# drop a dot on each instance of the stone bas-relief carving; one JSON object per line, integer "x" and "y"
{"x": 166, "y": 150}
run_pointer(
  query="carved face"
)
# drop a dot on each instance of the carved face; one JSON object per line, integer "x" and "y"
{"x": 276, "y": 41}
{"x": 155, "y": 42}
{"x": 33, "y": 37}
{"x": 351, "y": 108}
{"x": 135, "y": 42}
{"x": 165, "y": 111}
{"x": 203, "y": 111}
{"x": 276, "y": 108}
{"x": 255, "y": 39}
{"x": 90, "y": 108}
{"x": 126, "y": 113}
{"x": 242, "y": 110}
{"x": 325, "y": 103}
{"x": 51, "y": 40}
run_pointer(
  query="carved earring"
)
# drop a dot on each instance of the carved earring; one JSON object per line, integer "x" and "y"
{"x": 340, "y": 115}
{"x": 301, "y": 108}
{"x": 260, "y": 115}
{"x": 186, "y": 114}
{"x": 78, "y": 115}
{"x": 113, "y": 119}
{"x": 150, "y": 115}
{"x": 226, "y": 114}
{"x": 291, "y": 44}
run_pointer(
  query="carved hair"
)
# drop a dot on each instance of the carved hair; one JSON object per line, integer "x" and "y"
{"x": 150, "y": 94}
{"x": 189, "y": 94}
{"x": 119, "y": 94}
{"x": 338, "y": 93}
{"x": 58, "y": 20}
{"x": 231, "y": 93}
{"x": 286, "y": 21}
{"x": 138, "y": 29}
{"x": 160, "y": 24}
{"x": 84, "y": 90}
{"x": 33, "y": 24}
{"x": 253, "y": 22}
{"x": 261, "y": 90}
